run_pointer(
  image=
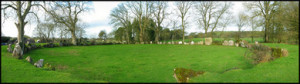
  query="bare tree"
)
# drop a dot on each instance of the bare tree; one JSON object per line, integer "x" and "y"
{"x": 20, "y": 9}
{"x": 174, "y": 26}
{"x": 210, "y": 14}
{"x": 160, "y": 15}
{"x": 67, "y": 13}
{"x": 141, "y": 9}
{"x": 183, "y": 8}
{"x": 241, "y": 22}
{"x": 45, "y": 30}
{"x": 120, "y": 17}
{"x": 225, "y": 22}
{"x": 266, "y": 9}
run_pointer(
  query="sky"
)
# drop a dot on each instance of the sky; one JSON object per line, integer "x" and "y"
{"x": 98, "y": 19}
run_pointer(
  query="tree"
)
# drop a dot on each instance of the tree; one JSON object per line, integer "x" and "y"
{"x": 119, "y": 34}
{"x": 210, "y": 14}
{"x": 44, "y": 30}
{"x": 102, "y": 35}
{"x": 174, "y": 26}
{"x": 290, "y": 19}
{"x": 21, "y": 10}
{"x": 183, "y": 8}
{"x": 225, "y": 22}
{"x": 255, "y": 22}
{"x": 141, "y": 9}
{"x": 265, "y": 9}
{"x": 67, "y": 13}
{"x": 241, "y": 22}
{"x": 80, "y": 32}
{"x": 120, "y": 17}
{"x": 159, "y": 14}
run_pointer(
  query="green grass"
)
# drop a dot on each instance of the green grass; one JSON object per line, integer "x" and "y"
{"x": 219, "y": 39}
{"x": 285, "y": 69}
{"x": 148, "y": 63}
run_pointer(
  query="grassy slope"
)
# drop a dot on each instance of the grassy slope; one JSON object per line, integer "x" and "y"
{"x": 149, "y": 63}
{"x": 13, "y": 70}
{"x": 285, "y": 69}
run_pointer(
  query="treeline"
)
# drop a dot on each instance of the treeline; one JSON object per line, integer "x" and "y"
{"x": 141, "y": 21}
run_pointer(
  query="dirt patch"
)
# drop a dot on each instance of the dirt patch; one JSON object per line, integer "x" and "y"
{"x": 182, "y": 75}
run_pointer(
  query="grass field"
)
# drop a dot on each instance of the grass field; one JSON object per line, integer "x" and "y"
{"x": 148, "y": 63}
{"x": 219, "y": 39}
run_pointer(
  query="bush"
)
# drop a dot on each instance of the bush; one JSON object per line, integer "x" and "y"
{"x": 5, "y": 39}
{"x": 259, "y": 53}
{"x": 47, "y": 66}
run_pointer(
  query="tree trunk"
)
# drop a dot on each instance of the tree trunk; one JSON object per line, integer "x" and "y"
{"x": 156, "y": 36}
{"x": 74, "y": 41}
{"x": 266, "y": 32}
{"x": 141, "y": 31}
{"x": 182, "y": 31}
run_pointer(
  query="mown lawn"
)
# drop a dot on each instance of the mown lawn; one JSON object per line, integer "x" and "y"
{"x": 148, "y": 63}
{"x": 219, "y": 39}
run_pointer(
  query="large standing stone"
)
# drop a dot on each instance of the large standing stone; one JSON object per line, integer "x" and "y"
{"x": 237, "y": 44}
{"x": 39, "y": 63}
{"x": 150, "y": 42}
{"x": 9, "y": 48}
{"x": 242, "y": 44}
{"x": 284, "y": 52}
{"x": 225, "y": 43}
{"x": 192, "y": 43}
{"x": 29, "y": 59}
{"x": 185, "y": 43}
{"x": 180, "y": 42}
{"x": 256, "y": 43}
{"x": 18, "y": 53}
{"x": 230, "y": 43}
{"x": 208, "y": 41}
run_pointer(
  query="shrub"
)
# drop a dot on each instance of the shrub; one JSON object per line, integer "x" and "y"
{"x": 47, "y": 66}
{"x": 258, "y": 54}
{"x": 5, "y": 39}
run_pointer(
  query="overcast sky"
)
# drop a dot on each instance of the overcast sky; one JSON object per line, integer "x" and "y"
{"x": 98, "y": 19}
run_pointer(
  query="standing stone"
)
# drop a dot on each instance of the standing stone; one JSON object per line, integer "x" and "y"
{"x": 169, "y": 42}
{"x": 172, "y": 42}
{"x": 230, "y": 43}
{"x": 256, "y": 43}
{"x": 29, "y": 59}
{"x": 18, "y": 53}
{"x": 208, "y": 41}
{"x": 9, "y": 49}
{"x": 185, "y": 43}
{"x": 150, "y": 42}
{"x": 39, "y": 63}
{"x": 225, "y": 43}
{"x": 237, "y": 44}
{"x": 180, "y": 42}
{"x": 201, "y": 42}
{"x": 242, "y": 44}
{"x": 192, "y": 43}
{"x": 284, "y": 52}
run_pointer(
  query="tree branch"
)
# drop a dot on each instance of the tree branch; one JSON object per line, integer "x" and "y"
{"x": 8, "y": 5}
